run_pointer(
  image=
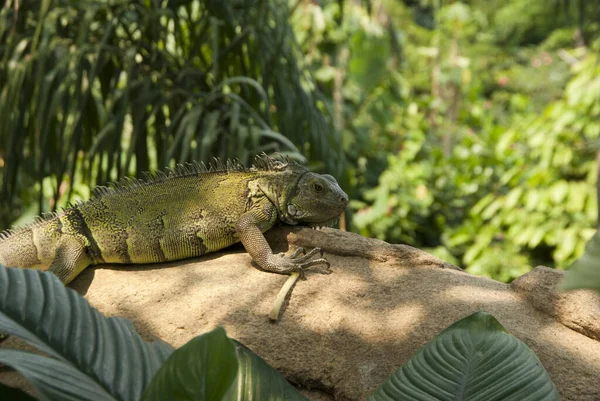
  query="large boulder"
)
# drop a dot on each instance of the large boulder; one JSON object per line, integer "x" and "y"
{"x": 343, "y": 334}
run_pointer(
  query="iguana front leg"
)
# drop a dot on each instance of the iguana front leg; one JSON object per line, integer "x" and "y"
{"x": 250, "y": 228}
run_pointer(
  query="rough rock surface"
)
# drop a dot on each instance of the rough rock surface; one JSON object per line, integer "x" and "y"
{"x": 341, "y": 335}
{"x": 579, "y": 310}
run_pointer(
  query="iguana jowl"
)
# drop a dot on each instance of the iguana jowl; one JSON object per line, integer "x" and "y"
{"x": 187, "y": 212}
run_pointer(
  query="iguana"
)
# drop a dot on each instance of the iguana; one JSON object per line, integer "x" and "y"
{"x": 175, "y": 214}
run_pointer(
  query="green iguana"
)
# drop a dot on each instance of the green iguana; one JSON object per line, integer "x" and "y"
{"x": 186, "y": 212}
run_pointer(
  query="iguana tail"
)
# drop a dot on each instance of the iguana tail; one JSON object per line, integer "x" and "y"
{"x": 18, "y": 249}
{"x": 43, "y": 245}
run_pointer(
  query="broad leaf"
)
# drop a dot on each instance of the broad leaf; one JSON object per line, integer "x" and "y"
{"x": 203, "y": 369}
{"x": 38, "y": 308}
{"x": 474, "y": 359}
{"x": 256, "y": 380}
{"x": 55, "y": 380}
{"x": 585, "y": 272}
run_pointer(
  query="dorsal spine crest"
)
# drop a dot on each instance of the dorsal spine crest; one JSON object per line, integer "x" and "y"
{"x": 262, "y": 162}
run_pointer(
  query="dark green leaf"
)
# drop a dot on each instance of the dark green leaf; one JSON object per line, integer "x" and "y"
{"x": 256, "y": 380}
{"x": 474, "y": 359}
{"x": 38, "y": 308}
{"x": 203, "y": 369}
{"x": 55, "y": 380}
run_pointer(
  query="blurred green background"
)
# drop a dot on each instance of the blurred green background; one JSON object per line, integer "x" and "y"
{"x": 469, "y": 129}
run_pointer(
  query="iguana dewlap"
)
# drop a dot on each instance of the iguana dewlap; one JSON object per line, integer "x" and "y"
{"x": 179, "y": 214}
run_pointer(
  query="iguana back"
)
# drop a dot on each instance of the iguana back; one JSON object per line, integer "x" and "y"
{"x": 170, "y": 216}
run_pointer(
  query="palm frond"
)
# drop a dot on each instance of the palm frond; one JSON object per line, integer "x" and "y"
{"x": 91, "y": 91}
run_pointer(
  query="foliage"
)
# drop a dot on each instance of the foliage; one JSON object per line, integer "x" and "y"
{"x": 103, "y": 358}
{"x": 473, "y": 359}
{"x": 184, "y": 366}
{"x": 91, "y": 357}
{"x": 215, "y": 367}
{"x": 470, "y": 127}
{"x": 59, "y": 322}
{"x": 545, "y": 199}
{"x": 585, "y": 272}
{"x": 93, "y": 91}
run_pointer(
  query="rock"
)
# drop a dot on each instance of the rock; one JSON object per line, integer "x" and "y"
{"x": 343, "y": 334}
{"x": 578, "y": 310}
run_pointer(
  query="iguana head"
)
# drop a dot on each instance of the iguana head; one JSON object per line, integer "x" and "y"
{"x": 316, "y": 200}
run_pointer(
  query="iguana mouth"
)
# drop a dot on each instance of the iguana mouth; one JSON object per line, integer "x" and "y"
{"x": 333, "y": 203}
{"x": 328, "y": 223}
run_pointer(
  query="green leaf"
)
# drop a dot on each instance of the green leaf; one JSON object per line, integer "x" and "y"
{"x": 256, "y": 380}
{"x": 585, "y": 272}
{"x": 81, "y": 82}
{"x": 38, "y": 308}
{"x": 203, "y": 369}
{"x": 566, "y": 246}
{"x": 512, "y": 198}
{"x": 492, "y": 209}
{"x": 325, "y": 73}
{"x": 54, "y": 379}
{"x": 473, "y": 359}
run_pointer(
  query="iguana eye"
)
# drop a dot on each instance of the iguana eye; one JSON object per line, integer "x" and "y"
{"x": 318, "y": 187}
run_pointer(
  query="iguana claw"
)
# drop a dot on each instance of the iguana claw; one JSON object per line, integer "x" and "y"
{"x": 305, "y": 262}
{"x": 299, "y": 263}
{"x": 298, "y": 251}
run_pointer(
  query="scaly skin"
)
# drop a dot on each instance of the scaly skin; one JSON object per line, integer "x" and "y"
{"x": 180, "y": 214}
